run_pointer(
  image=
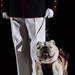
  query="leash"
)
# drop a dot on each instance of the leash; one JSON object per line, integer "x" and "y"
{"x": 46, "y": 30}
{"x": 40, "y": 27}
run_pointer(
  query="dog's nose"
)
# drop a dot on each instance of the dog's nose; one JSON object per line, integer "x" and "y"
{"x": 45, "y": 49}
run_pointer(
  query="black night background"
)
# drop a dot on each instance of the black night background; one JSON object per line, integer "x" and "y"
{"x": 61, "y": 29}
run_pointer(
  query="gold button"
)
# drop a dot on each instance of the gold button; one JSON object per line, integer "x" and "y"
{"x": 1, "y": 10}
{"x": 54, "y": 6}
{"x": 55, "y": 1}
{"x": 1, "y": 4}
{"x": 1, "y": 0}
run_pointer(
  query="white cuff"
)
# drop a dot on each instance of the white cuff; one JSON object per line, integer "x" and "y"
{"x": 49, "y": 13}
{"x": 4, "y": 14}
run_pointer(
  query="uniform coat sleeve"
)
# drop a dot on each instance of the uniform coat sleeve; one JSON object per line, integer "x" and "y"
{"x": 52, "y": 4}
{"x": 27, "y": 8}
{"x": 5, "y": 6}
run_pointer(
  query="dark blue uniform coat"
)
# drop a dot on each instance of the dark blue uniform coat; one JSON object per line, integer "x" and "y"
{"x": 27, "y": 8}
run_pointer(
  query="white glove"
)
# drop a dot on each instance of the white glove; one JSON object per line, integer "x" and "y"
{"x": 4, "y": 14}
{"x": 49, "y": 13}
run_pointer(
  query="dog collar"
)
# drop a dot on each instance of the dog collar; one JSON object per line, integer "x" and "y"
{"x": 47, "y": 65}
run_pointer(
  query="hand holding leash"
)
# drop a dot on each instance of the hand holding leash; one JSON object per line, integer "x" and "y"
{"x": 4, "y": 14}
{"x": 49, "y": 13}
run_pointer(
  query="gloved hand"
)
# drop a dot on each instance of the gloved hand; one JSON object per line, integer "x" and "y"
{"x": 4, "y": 14}
{"x": 49, "y": 13}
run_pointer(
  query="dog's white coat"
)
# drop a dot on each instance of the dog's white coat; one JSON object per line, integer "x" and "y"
{"x": 57, "y": 67}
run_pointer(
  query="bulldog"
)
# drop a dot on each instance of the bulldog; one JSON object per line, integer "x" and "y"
{"x": 48, "y": 53}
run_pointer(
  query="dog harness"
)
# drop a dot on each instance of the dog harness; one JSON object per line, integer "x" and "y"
{"x": 64, "y": 54}
{"x": 47, "y": 68}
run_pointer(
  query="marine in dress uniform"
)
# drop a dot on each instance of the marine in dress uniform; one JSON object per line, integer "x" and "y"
{"x": 26, "y": 18}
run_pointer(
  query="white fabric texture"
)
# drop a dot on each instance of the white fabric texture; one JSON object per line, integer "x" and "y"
{"x": 33, "y": 25}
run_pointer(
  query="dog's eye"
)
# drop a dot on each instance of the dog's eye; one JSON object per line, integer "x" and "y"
{"x": 50, "y": 46}
{"x": 38, "y": 47}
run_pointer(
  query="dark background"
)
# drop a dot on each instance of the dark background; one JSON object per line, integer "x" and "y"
{"x": 61, "y": 29}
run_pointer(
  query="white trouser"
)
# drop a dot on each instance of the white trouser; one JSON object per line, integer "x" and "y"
{"x": 32, "y": 25}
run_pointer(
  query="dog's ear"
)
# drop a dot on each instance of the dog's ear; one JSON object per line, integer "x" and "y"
{"x": 38, "y": 44}
{"x": 52, "y": 42}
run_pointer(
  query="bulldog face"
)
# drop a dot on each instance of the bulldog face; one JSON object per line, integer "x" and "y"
{"x": 47, "y": 52}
